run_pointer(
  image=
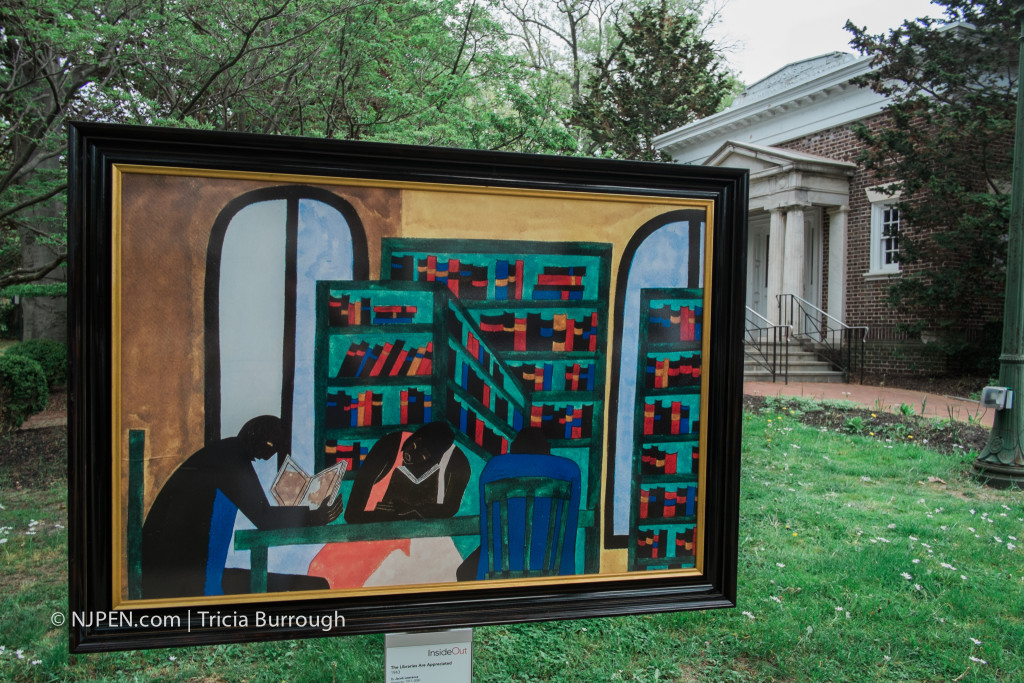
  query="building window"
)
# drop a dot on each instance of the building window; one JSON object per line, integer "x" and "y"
{"x": 885, "y": 238}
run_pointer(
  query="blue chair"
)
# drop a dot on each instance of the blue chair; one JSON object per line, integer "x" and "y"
{"x": 529, "y": 506}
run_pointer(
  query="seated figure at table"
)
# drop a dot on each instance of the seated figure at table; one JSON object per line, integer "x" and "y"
{"x": 188, "y": 529}
{"x": 417, "y": 475}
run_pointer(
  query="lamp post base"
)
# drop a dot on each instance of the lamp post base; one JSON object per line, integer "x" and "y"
{"x": 998, "y": 476}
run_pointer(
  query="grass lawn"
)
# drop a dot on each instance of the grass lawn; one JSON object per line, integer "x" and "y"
{"x": 859, "y": 560}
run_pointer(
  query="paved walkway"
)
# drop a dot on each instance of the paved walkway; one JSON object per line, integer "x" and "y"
{"x": 879, "y": 398}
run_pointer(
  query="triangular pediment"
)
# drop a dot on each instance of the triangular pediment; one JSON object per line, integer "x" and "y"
{"x": 758, "y": 158}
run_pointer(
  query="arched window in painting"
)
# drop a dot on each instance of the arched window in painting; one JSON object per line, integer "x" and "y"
{"x": 666, "y": 252}
{"x": 267, "y": 250}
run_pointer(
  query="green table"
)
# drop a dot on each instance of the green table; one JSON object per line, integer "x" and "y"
{"x": 259, "y": 541}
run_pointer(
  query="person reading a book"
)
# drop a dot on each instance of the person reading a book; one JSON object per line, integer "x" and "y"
{"x": 417, "y": 475}
{"x": 186, "y": 534}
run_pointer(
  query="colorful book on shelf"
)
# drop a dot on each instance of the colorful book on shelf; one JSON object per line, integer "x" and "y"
{"x": 556, "y": 283}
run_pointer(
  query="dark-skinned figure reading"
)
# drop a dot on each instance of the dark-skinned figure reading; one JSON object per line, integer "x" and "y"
{"x": 186, "y": 533}
{"x": 419, "y": 475}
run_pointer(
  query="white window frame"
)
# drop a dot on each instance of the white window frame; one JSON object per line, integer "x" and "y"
{"x": 880, "y": 204}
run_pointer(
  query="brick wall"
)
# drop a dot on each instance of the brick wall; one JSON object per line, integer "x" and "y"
{"x": 890, "y": 351}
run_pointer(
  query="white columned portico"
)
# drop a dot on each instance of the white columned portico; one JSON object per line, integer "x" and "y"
{"x": 793, "y": 187}
{"x": 837, "y": 261}
{"x": 776, "y": 256}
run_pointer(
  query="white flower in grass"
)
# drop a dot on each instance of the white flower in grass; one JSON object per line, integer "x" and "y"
{"x": 975, "y": 641}
{"x": 906, "y": 576}
{"x": 839, "y": 609}
{"x": 1012, "y": 538}
{"x": 916, "y": 561}
{"x": 865, "y": 478}
{"x": 3, "y": 540}
{"x": 172, "y": 658}
{"x": 998, "y": 540}
{"x": 776, "y": 599}
{"x": 779, "y": 564}
{"x": 946, "y": 565}
{"x": 1010, "y": 546}
{"x": 914, "y": 538}
{"x": 973, "y": 512}
{"x": 971, "y": 529}
{"x": 1005, "y": 507}
{"x": 748, "y": 614}
{"x": 20, "y": 654}
{"x": 36, "y": 662}
{"x": 979, "y": 661}
{"x": 963, "y": 577}
{"x": 891, "y": 526}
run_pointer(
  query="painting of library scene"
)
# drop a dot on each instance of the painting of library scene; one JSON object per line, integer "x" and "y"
{"x": 378, "y": 387}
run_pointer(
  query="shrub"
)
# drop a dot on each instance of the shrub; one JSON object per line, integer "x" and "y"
{"x": 23, "y": 390}
{"x": 51, "y": 355}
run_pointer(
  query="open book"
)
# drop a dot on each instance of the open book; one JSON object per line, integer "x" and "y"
{"x": 293, "y": 486}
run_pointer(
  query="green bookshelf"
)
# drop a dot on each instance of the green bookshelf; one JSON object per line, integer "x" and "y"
{"x": 666, "y": 445}
{"x": 542, "y": 309}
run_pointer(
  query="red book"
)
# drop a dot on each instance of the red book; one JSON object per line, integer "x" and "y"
{"x": 575, "y": 376}
{"x": 487, "y": 396}
{"x": 536, "y": 416}
{"x": 538, "y": 378}
{"x": 431, "y": 268}
{"x": 379, "y": 365}
{"x": 353, "y": 314}
{"x": 644, "y": 500}
{"x": 479, "y": 432}
{"x": 560, "y": 280}
{"x": 396, "y": 369}
{"x": 519, "y": 279}
{"x": 648, "y": 418}
{"x": 671, "y": 463}
{"x": 404, "y": 398}
{"x": 427, "y": 366}
{"x": 676, "y": 410}
{"x": 570, "y": 333}
{"x": 593, "y": 332}
{"x": 519, "y": 338}
{"x": 453, "y": 276}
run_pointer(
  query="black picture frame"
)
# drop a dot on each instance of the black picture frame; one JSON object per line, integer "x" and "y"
{"x": 105, "y": 618}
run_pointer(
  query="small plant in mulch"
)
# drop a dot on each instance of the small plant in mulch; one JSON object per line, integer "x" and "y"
{"x": 902, "y": 425}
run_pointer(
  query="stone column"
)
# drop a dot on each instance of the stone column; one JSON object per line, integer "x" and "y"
{"x": 837, "y": 261}
{"x": 793, "y": 260}
{"x": 776, "y": 257}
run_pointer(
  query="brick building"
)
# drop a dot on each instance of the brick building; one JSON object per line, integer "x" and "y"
{"x": 820, "y": 227}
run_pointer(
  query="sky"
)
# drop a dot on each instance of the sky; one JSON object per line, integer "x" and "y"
{"x": 768, "y": 34}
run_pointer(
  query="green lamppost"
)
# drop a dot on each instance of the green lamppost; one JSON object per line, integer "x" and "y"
{"x": 1001, "y": 462}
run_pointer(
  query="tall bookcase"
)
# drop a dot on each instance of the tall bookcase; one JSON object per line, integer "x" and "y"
{"x": 397, "y": 355}
{"x": 666, "y": 441}
{"x": 542, "y": 310}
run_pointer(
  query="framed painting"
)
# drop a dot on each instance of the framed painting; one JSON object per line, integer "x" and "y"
{"x": 327, "y": 387}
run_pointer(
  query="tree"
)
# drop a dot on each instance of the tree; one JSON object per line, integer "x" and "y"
{"x": 660, "y": 74}
{"x": 946, "y": 153}
{"x": 410, "y": 71}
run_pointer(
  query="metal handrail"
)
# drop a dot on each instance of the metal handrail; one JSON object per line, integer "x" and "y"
{"x": 839, "y": 339}
{"x": 778, "y": 334}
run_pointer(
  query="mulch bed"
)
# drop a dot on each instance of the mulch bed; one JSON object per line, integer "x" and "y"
{"x": 944, "y": 436}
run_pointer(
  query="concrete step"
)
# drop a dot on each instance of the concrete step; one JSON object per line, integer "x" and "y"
{"x": 831, "y": 377}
